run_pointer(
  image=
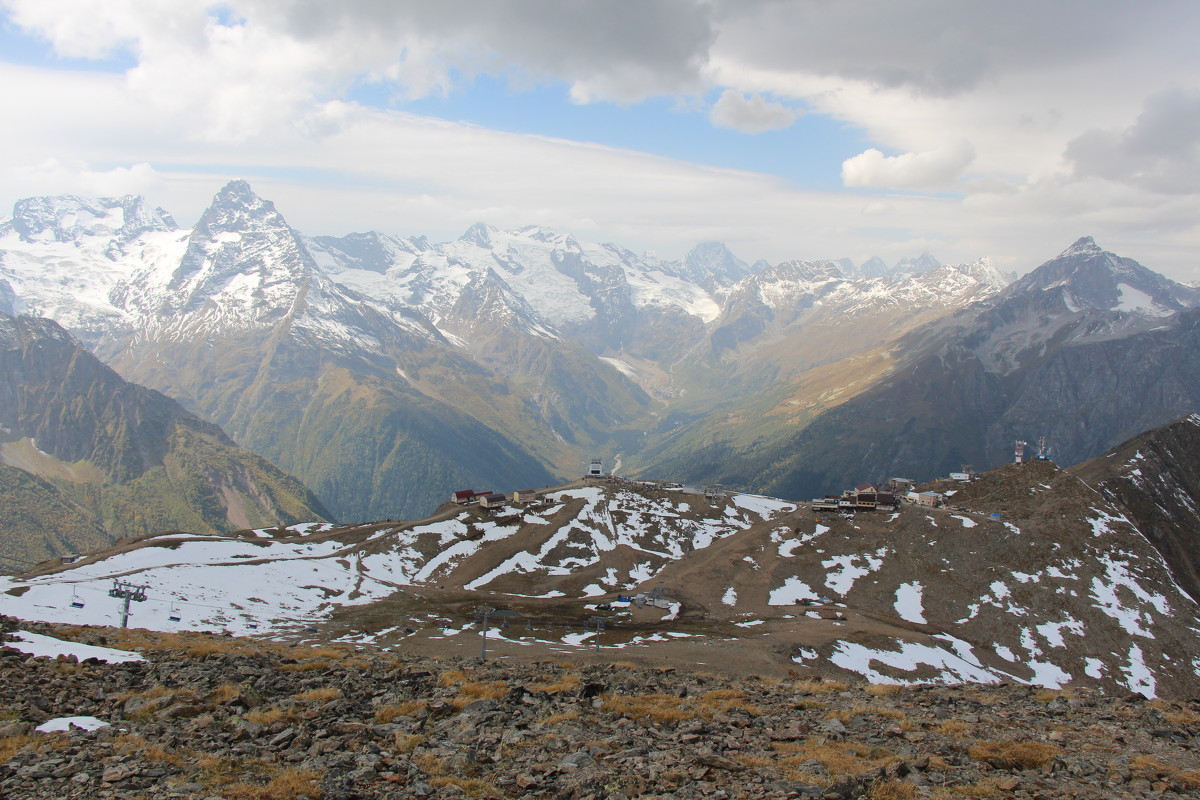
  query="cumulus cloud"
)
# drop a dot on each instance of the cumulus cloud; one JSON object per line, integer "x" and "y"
{"x": 1160, "y": 151}
{"x": 56, "y": 177}
{"x": 926, "y": 170}
{"x": 227, "y": 69}
{"x": 939, "y": 47}
{"x": 753, "y": 114}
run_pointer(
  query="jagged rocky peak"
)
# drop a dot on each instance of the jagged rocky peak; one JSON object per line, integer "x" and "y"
{"x": 479, "y": 234}
{"x": 873, "y": 267}
{"x": 803, "y": 270}
{"x": 915, "y": 265}
{"x": 370, "y": 251}
{"x": 241, "y": 233}
{"x": 981, "y": 270}
{"x": 713, "y": 261}
{"x": 541, "y": 233}
{"x": 72, "y": 219}
{"x": 1088, "y": 276}
{"x": 237, "y": 208}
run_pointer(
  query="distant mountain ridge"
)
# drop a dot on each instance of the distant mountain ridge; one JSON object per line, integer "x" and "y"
{"x": 89, "y": 458}
{"x": 386, "y": 371}
{"x": 521, "y": 353}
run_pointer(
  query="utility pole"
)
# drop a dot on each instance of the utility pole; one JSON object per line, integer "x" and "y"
{"x": 127, "y": 592}
{"x": 598, "y": 623}
{"x": 482, "y": 614}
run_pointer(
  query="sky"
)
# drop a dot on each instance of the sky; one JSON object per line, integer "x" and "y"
{"x": 784, "y": 128}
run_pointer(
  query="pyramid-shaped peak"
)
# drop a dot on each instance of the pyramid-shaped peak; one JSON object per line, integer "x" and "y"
{"x": 713, "y": 261}
{"x": 237, "y": 208}
{"x": 1083, "y": 245}
{"x": 238, "y": 192}
{"x": 479, "y": 234}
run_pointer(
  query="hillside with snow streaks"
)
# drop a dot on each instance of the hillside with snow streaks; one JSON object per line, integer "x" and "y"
{"x": 1062, "y": 591}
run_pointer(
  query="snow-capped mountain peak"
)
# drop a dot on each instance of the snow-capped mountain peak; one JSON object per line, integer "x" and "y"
{"x": 713, "y": 262}
{"x": 72, "y": 219}
{"x": 1086, "y": 276}
{"x": 915, "y": 265}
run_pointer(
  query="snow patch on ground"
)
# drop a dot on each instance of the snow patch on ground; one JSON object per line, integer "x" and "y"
{"x": 793, "y": 591}
{"x": 910, "y": 657}
{"x": 730, "y": 597}
{"x": 1139, "y": 677}
{"x": 36, "y": 644}
{"x": 69, "y": 723}
{"x": 908, "y": 602}
{"x": 850, "y": 570}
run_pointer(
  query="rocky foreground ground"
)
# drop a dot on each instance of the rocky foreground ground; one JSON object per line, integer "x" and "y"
{"x": 215, "y": 717}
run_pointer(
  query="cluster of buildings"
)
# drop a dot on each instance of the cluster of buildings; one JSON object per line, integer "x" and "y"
{"x": 868, "y": 497}
{"x": 490, "y": 499}
{"x": 865, "y": 497}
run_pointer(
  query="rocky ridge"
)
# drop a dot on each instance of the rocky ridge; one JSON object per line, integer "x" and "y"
{"x": 213, "y": 717}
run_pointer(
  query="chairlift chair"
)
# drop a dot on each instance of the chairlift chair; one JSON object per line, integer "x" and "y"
{"x": 75, "y": 601}
{"x": 173, "y": 615}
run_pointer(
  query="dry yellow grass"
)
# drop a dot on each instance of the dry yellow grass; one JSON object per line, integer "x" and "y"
{"x": 891, "y": 790}
{"x": 570, "y": 682}
{"x": 10, "y": 745}
{"x": 846, "y": 714}
{"x": 269, "y": 716}
{"x": 471, "y": 786}
{"x": 814, "y": 686}
{"x": 408, "y": 742}
{"x": 882, "y": 689}
{"x": 1014, "y": 755}
{"x": 323, "y": 695}
{"x": 307, "y": 666}
{"x": 429, "y": 763}
{"x": 471, "y": 691}
{"x": 838, "y": 758}
{"x": 562, "y": 716}
{"x": 452, "y": 677}
{"x": 1189, "y": 779}
{"x": 392, "y": 711}
{"x": 984, "y": 788}
{"x": 658, "y": 707}
{"x": 1183, "y": 718}
{"x": 288, "y": 784}
{"x": 226, "y": 692}
{"x": 808, "y": 705}
{"x": 954, "y": 727}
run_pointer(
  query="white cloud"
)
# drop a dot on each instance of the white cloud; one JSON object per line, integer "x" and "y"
{"x": 1069, "y": 109}
{"x": 55, "y": 177}
{"x": 753, "y": 114}
{"x": 932, "y": 169}
{"x": 1160, "y": 151}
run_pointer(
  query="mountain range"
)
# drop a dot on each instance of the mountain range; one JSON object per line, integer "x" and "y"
{"x": 385, "y": 372}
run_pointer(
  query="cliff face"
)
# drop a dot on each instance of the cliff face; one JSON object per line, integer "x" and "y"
{"x": 1155, "y": 479}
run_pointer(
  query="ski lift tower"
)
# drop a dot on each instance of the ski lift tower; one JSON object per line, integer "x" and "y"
{"x": 1042, "y": 455}
{"x": 127, "y": 592}
{"x": 1019, "y": 451}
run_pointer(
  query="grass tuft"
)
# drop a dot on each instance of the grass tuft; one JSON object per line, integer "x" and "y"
{"x": 1014, "y": 755}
